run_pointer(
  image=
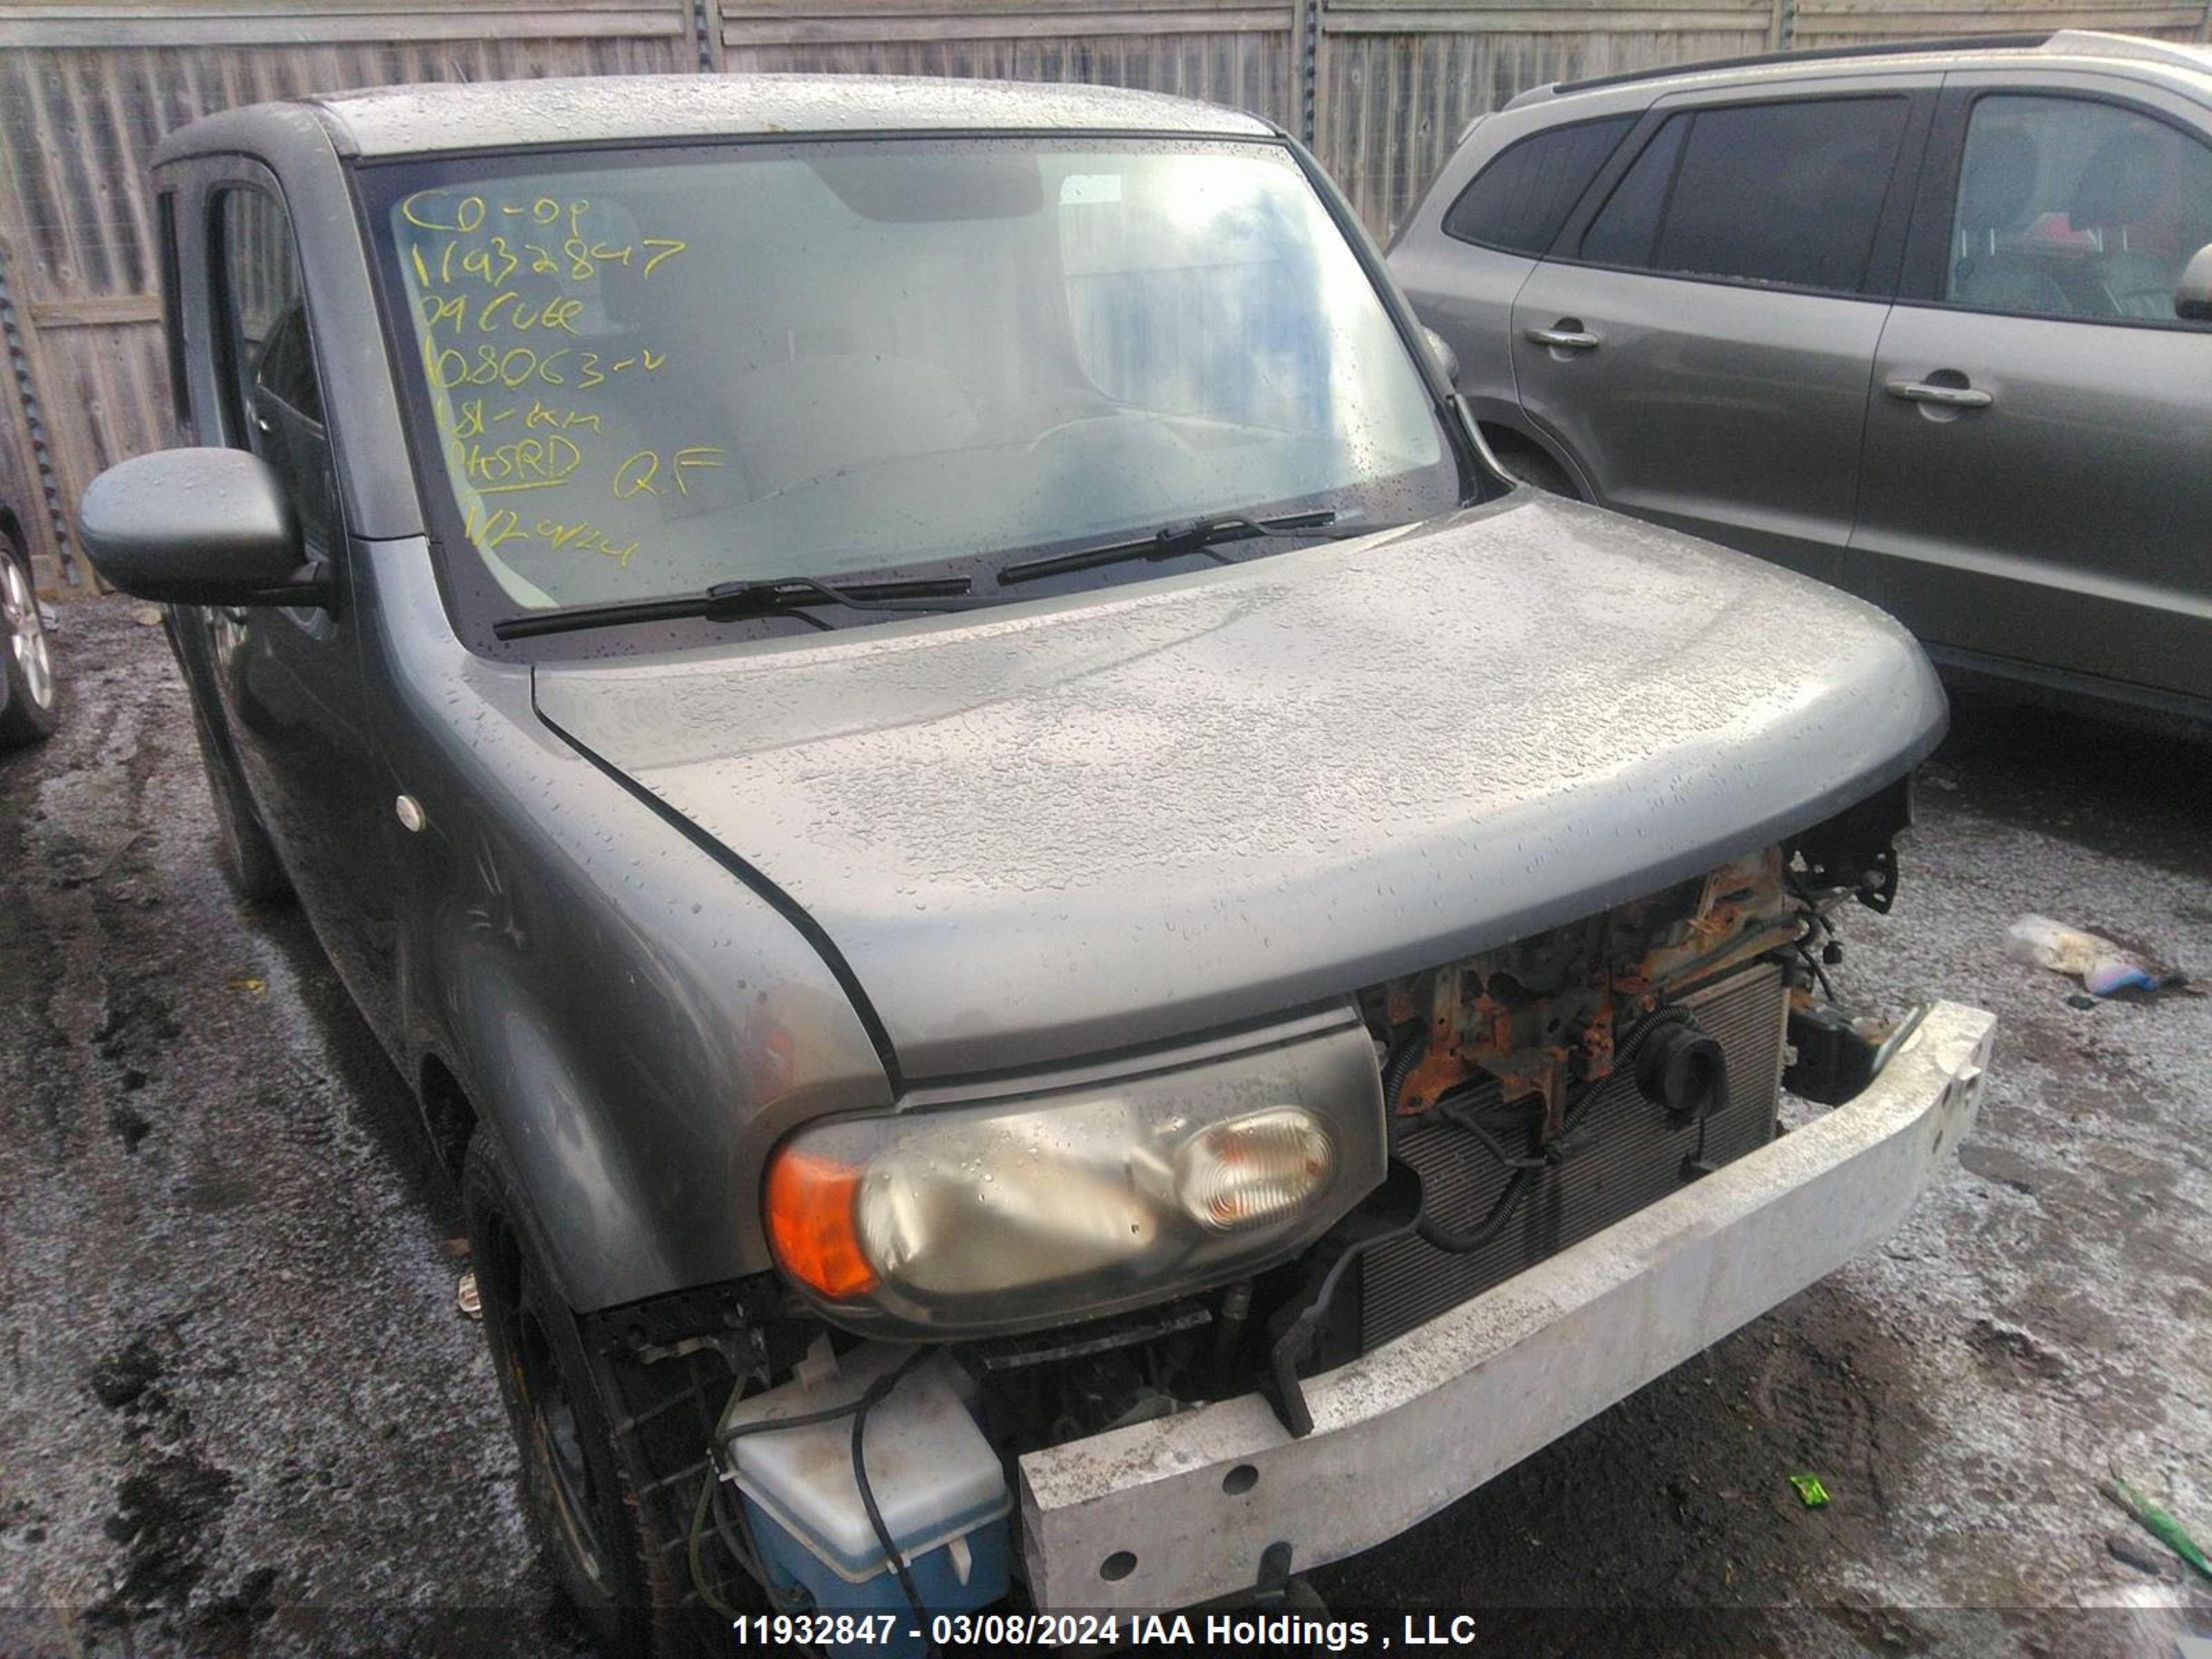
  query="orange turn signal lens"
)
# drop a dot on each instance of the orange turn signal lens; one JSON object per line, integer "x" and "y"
{"x": 811, "y": 1204}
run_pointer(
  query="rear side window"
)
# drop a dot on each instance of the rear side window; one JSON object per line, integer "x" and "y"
{"x": 1518, "y": 201}
{"x": 1628, "y": 225}
{"x": 1787, "y": 194}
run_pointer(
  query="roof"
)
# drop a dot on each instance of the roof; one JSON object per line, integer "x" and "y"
{"x": 2075, "y": 45}
{"x": 452, "y": 116}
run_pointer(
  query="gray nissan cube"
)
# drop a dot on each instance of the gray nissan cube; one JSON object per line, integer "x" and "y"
{"x": 1064, "y": 953}
{"x": 1932, "y": 322}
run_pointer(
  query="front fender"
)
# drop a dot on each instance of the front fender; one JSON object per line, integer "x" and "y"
{"x": 637, "y": 1026}
{"x": 637, "y": 1079}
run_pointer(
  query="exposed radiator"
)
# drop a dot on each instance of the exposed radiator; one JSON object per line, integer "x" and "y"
{"x": 1629, "y": 1157}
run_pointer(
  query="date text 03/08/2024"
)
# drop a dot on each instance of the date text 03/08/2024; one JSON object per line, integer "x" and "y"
{"x": 998, "y": 1631}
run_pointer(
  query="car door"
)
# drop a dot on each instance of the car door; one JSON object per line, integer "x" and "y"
{"x": 1505, "y": 193}
{"x": 2038, "y": 481}
{"x": 290, "y": 679}
{"x": 1698, "y": 337}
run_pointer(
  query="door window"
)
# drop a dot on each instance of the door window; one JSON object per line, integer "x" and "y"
{"x": 265, "y": 358}
{"x": 172, "y": 316}
{"x": 1518, "y": 202}
{"x": 1785, "y": 193}
{"x": 2071, "y": 208}
{"x": 1626, "y": 227}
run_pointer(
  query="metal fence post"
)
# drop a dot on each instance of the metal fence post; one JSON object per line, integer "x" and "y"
{"x": 705, "y": 18}
{"x": 1310, "y": 66}
{"x": 42, "y": 455}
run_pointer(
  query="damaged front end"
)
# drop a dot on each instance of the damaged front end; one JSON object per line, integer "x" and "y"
{"x": 1534, "y": 1095}
{"x": 1539, "y": 1092}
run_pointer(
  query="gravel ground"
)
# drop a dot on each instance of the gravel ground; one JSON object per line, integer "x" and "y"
{"x": 242, "y": 1415}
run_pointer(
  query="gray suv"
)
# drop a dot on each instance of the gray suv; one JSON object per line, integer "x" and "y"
{"x": 1933, "y": 324}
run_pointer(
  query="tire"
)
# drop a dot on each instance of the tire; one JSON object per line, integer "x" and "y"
{"x": 608, "y": 1551}
{"x": 242, "y": 847}
{"x": 35, "y": 693}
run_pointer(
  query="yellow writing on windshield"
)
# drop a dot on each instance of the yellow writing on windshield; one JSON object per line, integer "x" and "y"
{"x": 498, "y": 526}
{"x": 470, "y": 419}
{"x": 516, "y": 330}
{"x": 515, "y": 366}
{"x": 505, "y": 309}
{"x": 524, "y": 464}
{"x": 645, "y": 474}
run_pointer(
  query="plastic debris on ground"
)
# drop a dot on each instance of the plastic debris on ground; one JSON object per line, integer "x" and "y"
{"x": 1810, "y": 1491}
{"x": 2157, "y": 1522}
{"x": 2104, "y": 968}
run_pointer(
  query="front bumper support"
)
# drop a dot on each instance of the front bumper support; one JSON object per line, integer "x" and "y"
{"x": 1196, "y": 1499}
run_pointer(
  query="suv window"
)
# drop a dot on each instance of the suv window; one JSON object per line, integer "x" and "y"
{"x": 173, "y": 319}
{"x": 286, "y": 371}
{"x": 1519, "y": 200}
{"x": 1787, "y": 193}
{"x": 2070, "y": 208}
{"x": 1628, "y": 223}
{"x": 265, "y": 361}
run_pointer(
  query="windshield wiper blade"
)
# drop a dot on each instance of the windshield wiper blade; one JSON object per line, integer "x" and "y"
{"x": 765, "y": 596}
{"x": 1196, "y": 536}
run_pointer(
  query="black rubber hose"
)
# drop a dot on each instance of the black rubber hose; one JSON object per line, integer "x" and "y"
{"x": 1728, "y": 1099}
{"x": 858, "y": 1410}
{"x": 1434, "y": 1232}
{"x": 1437, "y": 1235}
{"x": 875, "y": 1514}
{"x": 1396, "y": 1068}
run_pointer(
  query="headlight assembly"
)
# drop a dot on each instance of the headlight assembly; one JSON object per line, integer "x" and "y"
{"x": 966, "y": 1219}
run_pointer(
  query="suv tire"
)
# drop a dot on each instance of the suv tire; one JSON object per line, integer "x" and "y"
{"x": 581, "y": 1499}
{"x": 34, "y": 692}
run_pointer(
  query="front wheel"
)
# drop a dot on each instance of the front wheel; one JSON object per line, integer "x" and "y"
{"x": 625, "y": 1573}
{"x": 33, "y": 706}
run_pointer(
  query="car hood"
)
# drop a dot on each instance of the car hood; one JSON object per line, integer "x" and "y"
{"x": 1073, "y": 826}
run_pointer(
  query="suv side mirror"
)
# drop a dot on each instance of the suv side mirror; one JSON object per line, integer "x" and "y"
{"x": 2192, "y": 298}
{"x": 198, "y": 527}
{"x": 1447, "y": 358}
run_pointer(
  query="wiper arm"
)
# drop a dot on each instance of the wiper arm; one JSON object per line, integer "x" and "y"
{"x": 765, "y": 596}
{"x": 800, "y": 595}
{"x": 1198, "y": 536}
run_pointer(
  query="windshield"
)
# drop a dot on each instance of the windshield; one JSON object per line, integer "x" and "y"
{"x": 651, "y": 372}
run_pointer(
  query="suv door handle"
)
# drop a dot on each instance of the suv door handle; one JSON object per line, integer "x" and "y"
{"x": 1951, "y": 396}
{"x": 1567, "y": 338}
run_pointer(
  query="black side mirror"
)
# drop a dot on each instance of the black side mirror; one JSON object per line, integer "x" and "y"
{"x": 199, "y": 526}
{"x": 2192, "y": 296}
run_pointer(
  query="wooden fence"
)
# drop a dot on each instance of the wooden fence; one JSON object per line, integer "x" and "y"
{"x": 1380, "y": 88}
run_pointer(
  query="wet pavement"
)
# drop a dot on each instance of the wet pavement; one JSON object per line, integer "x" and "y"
{"x": 239, "y": 1413}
